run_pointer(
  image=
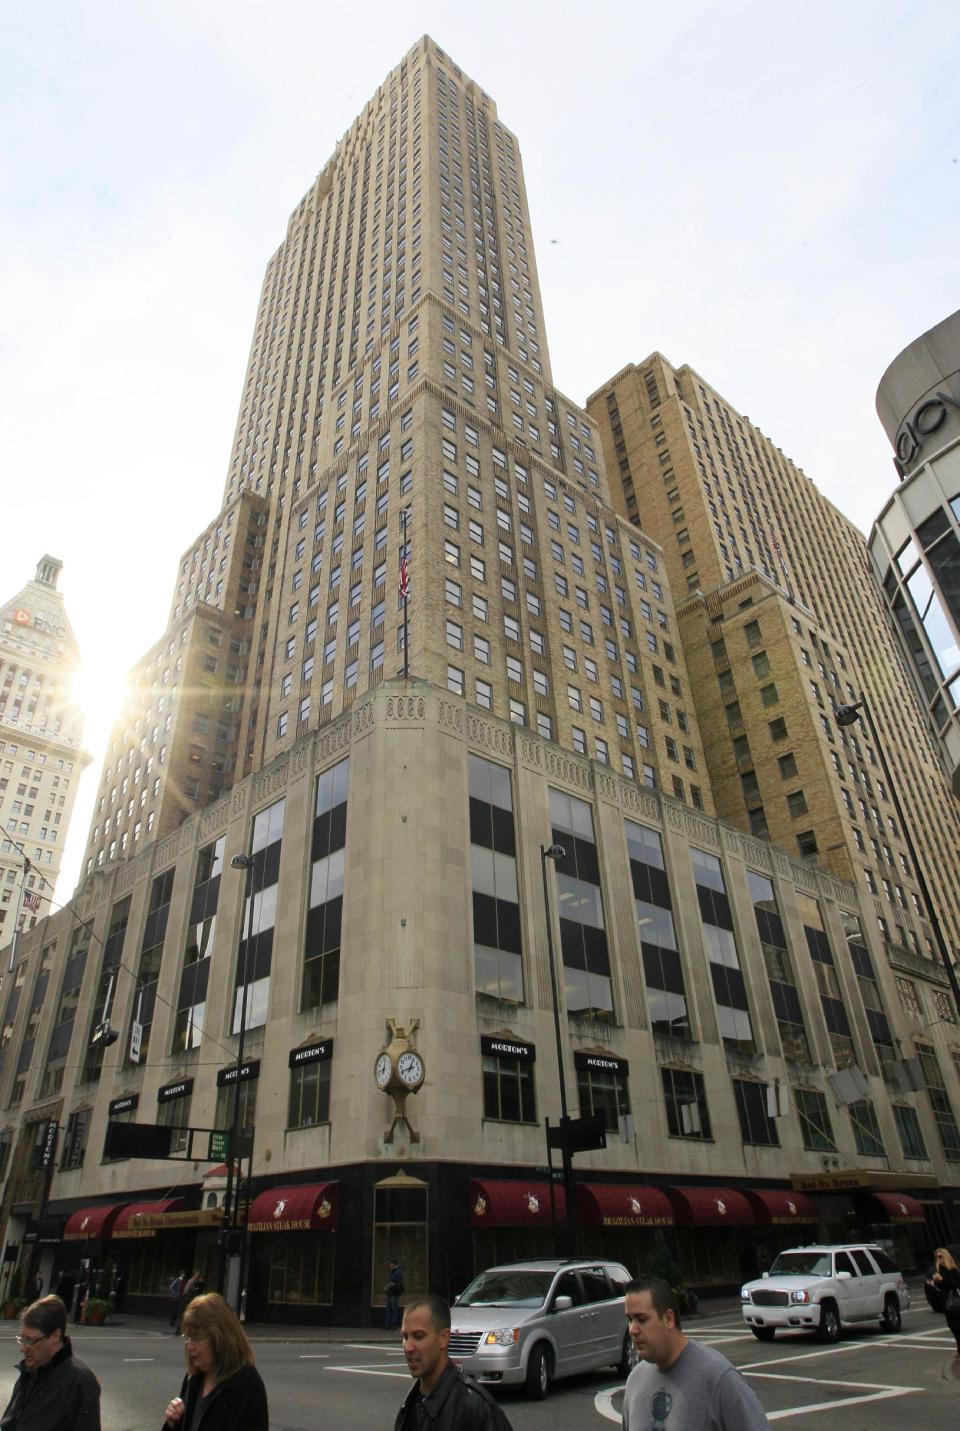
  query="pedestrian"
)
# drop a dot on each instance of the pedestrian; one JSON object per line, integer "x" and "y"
{"x": 442, "y": 1398}
{"x": 176, "y": 1293}
{"x": 946, "y": 1276}
{"x": 63, "y": 1287}
{"x": 393, "y": 1289}
{"x": 222, "y": 1385}
{"x": 54, "y": 1391}
{"x": 691, "y": 1384}
{"x": 117, "y": 1287}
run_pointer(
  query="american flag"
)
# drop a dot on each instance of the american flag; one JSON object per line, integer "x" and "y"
{"x": 403, "y": 585}
{"x": 32, "y": 901}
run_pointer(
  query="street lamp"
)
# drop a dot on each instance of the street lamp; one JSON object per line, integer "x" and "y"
{"x": 846, "y": 715}
{"x": 557, "y": 852}
{"x": 231, "y": 1196}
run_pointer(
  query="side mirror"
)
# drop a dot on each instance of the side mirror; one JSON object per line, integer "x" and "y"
{"x": 562, "y": 1303}
{"x": 766, "y": 1274}
{"x": 844, "y": 1277}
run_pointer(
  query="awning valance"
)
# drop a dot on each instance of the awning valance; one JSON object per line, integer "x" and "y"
{"x": 306, "y": 1208}
{"x": 89, "y": 1222}
{"x": 898, "y": 1207}
{"x": 613, "y": 1205}
{"x": 711, "y": 1207}
{"x": 128, "y": 1223}
{"x": 513, "y": 1204}
{"x": 775, "y": 1208}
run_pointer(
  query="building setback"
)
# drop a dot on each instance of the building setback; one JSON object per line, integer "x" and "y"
{"x": 399, "y": 1055}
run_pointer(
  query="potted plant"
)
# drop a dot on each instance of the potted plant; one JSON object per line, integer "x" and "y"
{"x": 95, "y": 1311}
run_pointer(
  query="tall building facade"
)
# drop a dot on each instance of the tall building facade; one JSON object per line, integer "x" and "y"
{"x": 423, "y": 793}
{"x": 781, "y": 622}
{"x": 915, "y": 542}
{"x": 41, "y": 758}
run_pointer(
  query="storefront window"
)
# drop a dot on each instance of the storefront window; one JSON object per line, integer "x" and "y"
{"x": 400, "y": 1233}
{"x": 301, "y": 1267}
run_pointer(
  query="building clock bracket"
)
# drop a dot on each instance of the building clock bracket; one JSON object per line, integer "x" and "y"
{"x": 398, "y": 1071}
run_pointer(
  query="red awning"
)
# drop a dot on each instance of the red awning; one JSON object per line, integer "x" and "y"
{"x": 711, "y": 1207}
{"x": 775, "y": 1208}
{"x": 306, "y": 1208}
{"x": 509, "y": 1204}
{"x": 122, "y": 1227}
{"x": 897, "y": 1207}
{"x": 91, "y": 1222}
{"x": 611, "y": 1205}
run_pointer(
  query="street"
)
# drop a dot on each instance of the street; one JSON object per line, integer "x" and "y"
{"x": 354, "y": 1380}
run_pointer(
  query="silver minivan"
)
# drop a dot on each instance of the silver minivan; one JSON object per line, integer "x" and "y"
{"x": 531, "y": 1322}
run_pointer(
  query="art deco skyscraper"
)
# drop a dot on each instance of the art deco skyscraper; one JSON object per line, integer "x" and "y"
{"x": 41, "y": 758}
{"x": 782, "y": 621}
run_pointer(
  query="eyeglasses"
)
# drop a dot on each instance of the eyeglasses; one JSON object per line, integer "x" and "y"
{"x": 194, "y": 1339}
{"x": 32, "y": 1341}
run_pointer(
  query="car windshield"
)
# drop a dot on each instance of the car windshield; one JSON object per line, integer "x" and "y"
{"x": 500, "y": 1288}
{"x": 801, "y": 1264}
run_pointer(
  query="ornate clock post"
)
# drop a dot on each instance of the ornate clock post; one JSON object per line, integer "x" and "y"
{"x": 398, "y": 1071}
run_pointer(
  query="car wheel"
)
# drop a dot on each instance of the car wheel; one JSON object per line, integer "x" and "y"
{"x": 891, "y": 1320}
{"x": 538, "y": 1372}
{"x": 764, "y": 1334}
{"x": 627, "y": 1357}
{"x": 829, "y": 1328}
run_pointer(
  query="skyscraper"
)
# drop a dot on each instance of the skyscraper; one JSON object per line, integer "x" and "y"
{"x": 41, "y": 758}
{"x": 319, "y": 892}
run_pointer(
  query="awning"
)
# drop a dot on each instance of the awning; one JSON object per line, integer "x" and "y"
{"x": 128, "y": 1223}
{"x": 91, "y": 1222}
{"x": 781, "y": 1209}
{"x": 898, "y": 1207}
{"x": 612, "y": 1205}
{"x": 513, "y": 1204}
{"x": 299, "y": 1209}
{"x": 710, "y": 1207}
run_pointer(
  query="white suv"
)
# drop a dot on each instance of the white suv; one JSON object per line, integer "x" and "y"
{"x": 822, "y": 1288}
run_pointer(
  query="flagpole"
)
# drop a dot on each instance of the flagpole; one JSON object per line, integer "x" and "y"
{"x": 405, "y": 581}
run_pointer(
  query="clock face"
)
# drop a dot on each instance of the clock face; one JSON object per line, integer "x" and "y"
{"x": 410, "y": 1069}
{"x": 383, "y": 1070}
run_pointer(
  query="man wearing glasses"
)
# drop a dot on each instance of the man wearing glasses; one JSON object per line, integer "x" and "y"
{"x": 55, "y": 1391}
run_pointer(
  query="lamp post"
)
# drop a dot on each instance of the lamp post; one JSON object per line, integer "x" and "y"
{"x": 557, "y": 852}
{"x": 847, "y": 715}
{"x": 232, "y": 1194}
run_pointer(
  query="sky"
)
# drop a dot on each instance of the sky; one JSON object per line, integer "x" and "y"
{"x": 765, "y": 191}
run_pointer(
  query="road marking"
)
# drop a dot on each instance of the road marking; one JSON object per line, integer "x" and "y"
{"x": 314, "y": 1356}
{"x": 139, "y": 1358}
{"x": 831, "y": 1381}
{"x": 843, "y": 1401}
{"x": 603, "y": 1402}
{"x": 369, "y": 1371}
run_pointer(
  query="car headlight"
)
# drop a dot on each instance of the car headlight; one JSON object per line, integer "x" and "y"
{"x": 800, "y": 1296}
{"x": 745, "y": 1294}
{"x": 502, "y": 1337}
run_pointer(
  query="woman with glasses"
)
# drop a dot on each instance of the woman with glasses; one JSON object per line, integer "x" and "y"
{"x": 222, "y": 1390}
{"x": 55, "y": 1391}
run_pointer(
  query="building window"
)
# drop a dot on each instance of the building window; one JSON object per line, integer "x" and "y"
{"x": 247, "y": 1079}
{"x": 939, "y": 1102}
{"x": 686, "y": 1102}
{"x": 909, "y": 1131}
{"x": 321, "y": 953}
{"x": 662, "y": 964}
{"x": 831, "y": 995}
{"x": 602, "y": 1088}
{"x": 151, "y": 955}
{"x": 907, "y": 990}
{"x": 583, "y": 940}
{"x": 729, "y": 988}
{"x": 75, "y": 1139}
{"x": 756, "y": 1125}
{"x": 780, "y": 975}
{"x": 310, "y": 1085}
{"x": 866, "y": 1129}
{"x": 814, "y": 1121}
{"x": 497, "y": 948}
{"x": 192, "y": 997}
{"x": 255, "y": 957}
{"x": 508, "y": 1090}
{"x": 173, "y": 1111}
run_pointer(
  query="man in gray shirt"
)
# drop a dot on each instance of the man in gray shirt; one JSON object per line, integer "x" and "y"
{"x": 680, "y": 1385}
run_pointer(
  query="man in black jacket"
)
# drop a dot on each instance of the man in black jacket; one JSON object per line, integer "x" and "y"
{"x": 442, "y": 1398}
{"x": 55, "y": 1391}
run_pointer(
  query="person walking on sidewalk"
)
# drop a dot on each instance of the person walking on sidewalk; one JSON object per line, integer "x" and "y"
{"x": 54, "y": 1391}
{"x": 680, "y": 1385}
{"x": 393, "y": 1290}
{"x": 222, "y": 1390}
{"x": 946, "y": 1278}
